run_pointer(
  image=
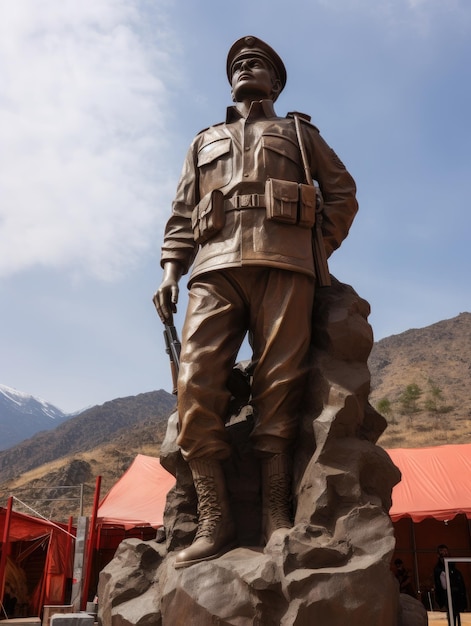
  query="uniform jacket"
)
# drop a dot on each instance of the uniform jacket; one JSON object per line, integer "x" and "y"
{"x": 237, "y": 157}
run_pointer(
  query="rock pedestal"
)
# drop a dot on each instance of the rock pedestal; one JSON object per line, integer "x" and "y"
{"x": 333, "y": 567}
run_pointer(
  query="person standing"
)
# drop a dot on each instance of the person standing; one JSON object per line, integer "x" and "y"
{"x": 458, "y": 589}
{"x": 404, "y": 578}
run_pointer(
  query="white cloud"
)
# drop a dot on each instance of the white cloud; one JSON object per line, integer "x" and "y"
{"x": 82, "y": 133}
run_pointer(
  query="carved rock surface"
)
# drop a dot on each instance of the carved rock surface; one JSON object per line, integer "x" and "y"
{"x": 333, "y": 567}
{"x": 250, "y": 586}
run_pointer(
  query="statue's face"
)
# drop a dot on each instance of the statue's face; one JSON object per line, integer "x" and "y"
{"x": 253, "y": 78}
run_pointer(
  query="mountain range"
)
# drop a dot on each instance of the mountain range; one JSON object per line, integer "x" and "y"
{"x": 45, "y": 472}
{"x": 93, "y": 428}
{"x": 420, "y": 382}
{"x": 22, "y": 416}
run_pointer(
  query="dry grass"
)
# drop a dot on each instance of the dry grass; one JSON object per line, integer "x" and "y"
{"x": 424, "y": 430}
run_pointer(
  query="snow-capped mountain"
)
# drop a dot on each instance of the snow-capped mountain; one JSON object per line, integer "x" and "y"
{"x": 22, "y": 416}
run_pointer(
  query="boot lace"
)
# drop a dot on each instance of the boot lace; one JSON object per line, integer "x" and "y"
{"x": 209, "y": 508}
{"x": 278, "y": 502}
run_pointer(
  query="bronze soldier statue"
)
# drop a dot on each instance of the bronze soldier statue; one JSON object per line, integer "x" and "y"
{"x": 244, "y": 219}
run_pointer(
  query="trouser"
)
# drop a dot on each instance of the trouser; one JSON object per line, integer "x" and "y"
{"x": 275, "y": 307}
{"x": 456, "y": 617}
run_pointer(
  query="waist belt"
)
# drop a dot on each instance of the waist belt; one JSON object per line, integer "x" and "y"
{"x": 236, "y": 203}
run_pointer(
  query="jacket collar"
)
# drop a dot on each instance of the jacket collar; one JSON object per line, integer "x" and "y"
{"x": 258, "y": 109}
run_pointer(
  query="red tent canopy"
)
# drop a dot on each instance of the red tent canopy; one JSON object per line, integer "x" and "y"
{"x": 138, "y": 498}
{"x": 436, "y": 482}
{"x": 58, "y": 566}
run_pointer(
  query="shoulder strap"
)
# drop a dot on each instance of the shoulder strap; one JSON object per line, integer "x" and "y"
{"x": 320, "y": 257}
{"x": 302, "y": 147}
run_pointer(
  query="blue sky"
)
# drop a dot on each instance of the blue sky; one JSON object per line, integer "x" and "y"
{"x": 99, "y": 102}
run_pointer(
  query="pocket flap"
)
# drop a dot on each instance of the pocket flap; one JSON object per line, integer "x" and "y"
{"x": 213, "y": 150}
{"x": 281, "y": 145}
{"x": 285, "y": 190}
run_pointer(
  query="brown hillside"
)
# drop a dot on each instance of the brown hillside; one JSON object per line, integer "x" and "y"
{"x": 53, "y": 489}
{"x": 437, "y": 359}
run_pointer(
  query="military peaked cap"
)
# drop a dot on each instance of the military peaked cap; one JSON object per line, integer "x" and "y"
{"x": 250, "y": 46}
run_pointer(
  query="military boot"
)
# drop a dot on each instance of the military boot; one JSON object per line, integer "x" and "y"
{"x": 216, "y": 530}
{"x": 276, "y": 494}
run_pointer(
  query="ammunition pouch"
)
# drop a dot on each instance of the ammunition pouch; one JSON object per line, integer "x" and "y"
{"x": 290, "y": 202}
{"x": 208, "y": 216}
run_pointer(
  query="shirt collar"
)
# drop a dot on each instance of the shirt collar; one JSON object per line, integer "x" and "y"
{"x": 258, "y": 108}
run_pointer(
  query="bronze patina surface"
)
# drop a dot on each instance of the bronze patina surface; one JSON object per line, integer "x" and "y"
{"x": 243, "y": 219}
{"x": 279, "y": 515}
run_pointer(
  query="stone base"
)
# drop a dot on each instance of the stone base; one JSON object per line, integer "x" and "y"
{"x": 247, "y": 586}
{"x": 333, "y": 567}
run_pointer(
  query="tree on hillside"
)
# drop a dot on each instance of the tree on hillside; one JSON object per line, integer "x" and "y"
{"x": 384, "y": 407}
{"x": 435, "y": 402}
{"x": 409, "y": 400}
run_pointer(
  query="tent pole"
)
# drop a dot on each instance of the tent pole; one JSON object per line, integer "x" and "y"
{"x": 416, "y": 561}
{"x": 68, "y": 552}
{"x": 98, "y": 543}
{"x": 81, "y": 500}
{"x": 45, "y": 577}
{"x": 91, "y": 544}
{"x": 5, "y": 545}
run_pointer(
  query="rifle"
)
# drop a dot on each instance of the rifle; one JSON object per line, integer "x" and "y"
{"x": 173, "y": 349}
{"x": 318, "y": 248}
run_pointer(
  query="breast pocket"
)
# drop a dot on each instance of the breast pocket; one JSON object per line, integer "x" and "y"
{"x": 215, "y": 165}
{"x": 281, "y": 157}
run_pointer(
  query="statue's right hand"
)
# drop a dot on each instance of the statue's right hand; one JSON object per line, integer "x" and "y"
{"x": 166, "y": 297}
{"x": 165, "y": 300}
